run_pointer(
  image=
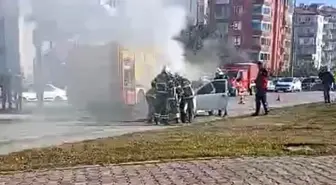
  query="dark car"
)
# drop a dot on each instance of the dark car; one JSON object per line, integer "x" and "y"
{"x": 312, "y": 84}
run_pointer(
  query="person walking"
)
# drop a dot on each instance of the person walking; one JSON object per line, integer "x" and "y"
{"x": 328, "y": 81}
{"x": 261, "y": 90}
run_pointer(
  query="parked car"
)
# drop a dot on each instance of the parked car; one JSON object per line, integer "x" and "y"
{"x": 271, "y": 85}
{"x": 288, "y": 84}
{"x": 312, "y": 84}
{"x": 51, "y": 93}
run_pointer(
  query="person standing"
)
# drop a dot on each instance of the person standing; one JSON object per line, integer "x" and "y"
{"x": 261, "y": 90}
{"x": 220, "y": 88}
{"x": 328, "y": 81}
{"x": 150, "y": 98}
{"x": 187, "y": 99}
{"x": 161, "y": 82}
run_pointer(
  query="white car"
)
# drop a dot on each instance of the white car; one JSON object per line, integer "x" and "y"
{"x": 270, "y": 85}
{"x": 51, "y": 93}
{"x": 207, "y": 99}
{"x": 288, "y": 84}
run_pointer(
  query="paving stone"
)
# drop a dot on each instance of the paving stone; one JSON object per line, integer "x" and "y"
{"x": 249, "y": 171}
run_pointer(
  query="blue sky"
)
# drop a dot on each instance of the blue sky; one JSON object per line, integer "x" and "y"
{"x": 332, "y": 2}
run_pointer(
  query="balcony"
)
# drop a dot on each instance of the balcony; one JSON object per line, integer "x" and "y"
{"x": 305, "y": 34}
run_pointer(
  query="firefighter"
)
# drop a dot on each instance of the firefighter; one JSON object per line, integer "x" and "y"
{"x": 187, "y": 100}
{"x": 173, "y": 99}
{"x": 219, "y": 74}
{"x": 150, "y": 98}
{"x": 161, "y": 94}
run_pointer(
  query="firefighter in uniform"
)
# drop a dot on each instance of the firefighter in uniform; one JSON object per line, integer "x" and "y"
{"x": 218, "y": 76}
{"x": 161, "y": 93}
{"x": 150, "y": 98}
{"x": 173, "y": 99}
{"x": 187, "y": 99}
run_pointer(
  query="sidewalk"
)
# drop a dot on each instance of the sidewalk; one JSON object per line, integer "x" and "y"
{"x": 280, "y": 170}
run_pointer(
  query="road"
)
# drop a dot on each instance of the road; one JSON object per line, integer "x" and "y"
{"x": 59, "y": 123}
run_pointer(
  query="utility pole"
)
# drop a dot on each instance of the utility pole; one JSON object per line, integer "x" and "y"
{"x": 293, "y": 53}
{"x": 38, "y": 70}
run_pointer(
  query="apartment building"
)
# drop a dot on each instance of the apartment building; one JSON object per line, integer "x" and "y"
{"x": 308, "y": 35}
{"x": 329, "y": 36}
{"x": 255, "y": 27}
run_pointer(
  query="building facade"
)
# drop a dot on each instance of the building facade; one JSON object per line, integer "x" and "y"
{"x": 256, "y": 28}
{"x": 329, "y": 36}
{"x": 308, "y": 36}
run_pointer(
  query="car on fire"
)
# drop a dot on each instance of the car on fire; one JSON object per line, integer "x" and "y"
{"x": 208, "y": 98}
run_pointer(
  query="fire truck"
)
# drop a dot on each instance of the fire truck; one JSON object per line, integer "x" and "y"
{"x": 109, "y": 74}
{"x": 245, "y": 72}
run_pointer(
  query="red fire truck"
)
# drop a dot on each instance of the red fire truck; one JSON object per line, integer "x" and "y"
{"x": 243, "y": 73}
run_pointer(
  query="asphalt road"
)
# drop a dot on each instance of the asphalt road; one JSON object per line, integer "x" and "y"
{"x": 59, "y": 123}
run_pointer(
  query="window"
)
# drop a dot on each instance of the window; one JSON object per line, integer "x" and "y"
{"x": 236, "y": 25}
{"x": 207, "y": 89}
{"x": 264, "y": 56}
{"x": 219, "y": 11}
{"x": 257, "y": 9}
{"x": 266, "y": 10}
{"x": 254, "y": 56}
{"x": 261, "y": 9}
{"x": 238, "y": 10}
{"x": 256, "y": 40}
{"x": 261, "y": 26}
{"x": 223, "y": 28}
{"x": 266, "y": 27}
{"x": 265, "y": 41}
{"x": 237, "y": 40}
{"x": 256, "y": 25}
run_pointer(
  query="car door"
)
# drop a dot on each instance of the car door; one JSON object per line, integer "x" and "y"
{"x": 49, "y": 92}
{"x": 203, "y": 97}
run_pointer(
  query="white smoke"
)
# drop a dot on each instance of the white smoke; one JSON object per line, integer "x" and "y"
{"x": 151, "y": 24}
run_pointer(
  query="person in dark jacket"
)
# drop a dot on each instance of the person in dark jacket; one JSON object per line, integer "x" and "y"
{"x": 327, "y": 81}
{"x": 220, "y": 88}
{"x": 150, "y": 98}
{"x": 261, "y": 90}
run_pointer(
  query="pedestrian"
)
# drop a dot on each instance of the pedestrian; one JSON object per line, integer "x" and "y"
{"x": 261, "y": 90}
{"x": 150, "y": 98}
{"x": 328, "y": 81}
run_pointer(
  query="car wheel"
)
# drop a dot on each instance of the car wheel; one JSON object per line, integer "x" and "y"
{"x": 58, "y": 99}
